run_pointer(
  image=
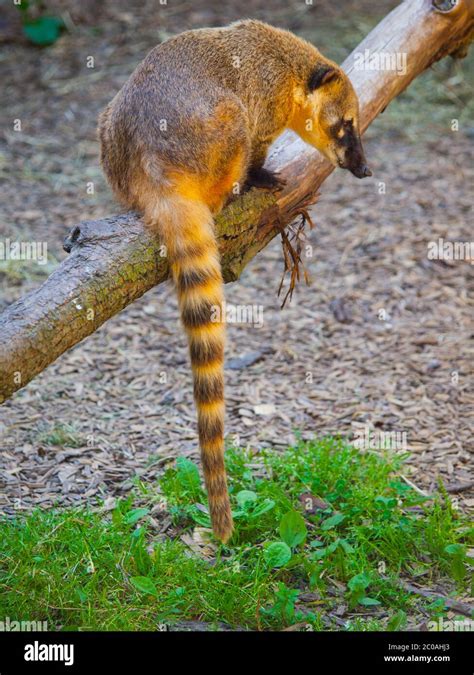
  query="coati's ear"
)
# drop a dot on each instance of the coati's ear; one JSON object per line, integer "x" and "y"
{"x": 322, "y": 75}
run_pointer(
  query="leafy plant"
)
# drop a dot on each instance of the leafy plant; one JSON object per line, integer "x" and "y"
{"x": 459, "y": 558}
{"x": 188, "y": 476}
{"x": 293, "y": 529}
{"x": 277, "y": 554}
{"x": 333, "y": 521}
{"x": 283, "y": 608}
{"x": 293, "y": 533}
{"x": 358, "y": 586}
{"x": 398, "y": 621}
{"x": 135, "y": 515}
{"x": 43, "y": 29}
{"x": 251, "y": 506}
{"x": 144, "y": 585}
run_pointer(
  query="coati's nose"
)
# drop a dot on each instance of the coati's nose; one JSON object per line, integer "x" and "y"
{"x": 360, "y": 170}
{"x": 355, "y": 161}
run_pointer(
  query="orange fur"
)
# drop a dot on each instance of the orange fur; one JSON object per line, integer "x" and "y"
{"x": 193, "y": 122}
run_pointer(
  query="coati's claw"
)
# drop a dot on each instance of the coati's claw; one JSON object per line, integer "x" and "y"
{"x": 263, "y": 178}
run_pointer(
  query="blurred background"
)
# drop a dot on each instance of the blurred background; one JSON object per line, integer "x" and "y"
{"x": 382, "y": 339}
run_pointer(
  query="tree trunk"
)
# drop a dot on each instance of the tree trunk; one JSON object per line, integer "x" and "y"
{"x": 113, "y": 261}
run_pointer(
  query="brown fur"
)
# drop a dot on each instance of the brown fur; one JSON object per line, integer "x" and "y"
{"x": 196, "y": 118}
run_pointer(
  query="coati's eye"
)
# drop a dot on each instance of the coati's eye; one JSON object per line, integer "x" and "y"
{"x": 337, "y": 130}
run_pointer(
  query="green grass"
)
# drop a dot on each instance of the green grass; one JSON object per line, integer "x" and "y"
{"x": 318, "y": 527}
{"x": 60, "y": 435}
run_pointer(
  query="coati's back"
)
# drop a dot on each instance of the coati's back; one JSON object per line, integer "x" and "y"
{"x": 161, "y": 111}
{"x": 194, "y": 120}
{"x": 166, "y": 108}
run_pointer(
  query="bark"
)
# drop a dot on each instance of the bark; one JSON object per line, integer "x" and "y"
{"x": 113, "y": 261}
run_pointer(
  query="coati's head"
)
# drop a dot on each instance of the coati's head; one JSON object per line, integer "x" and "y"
{"x": 327, "y": 117}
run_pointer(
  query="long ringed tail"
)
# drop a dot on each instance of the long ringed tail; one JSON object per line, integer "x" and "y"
{"x": 186, "y": 228}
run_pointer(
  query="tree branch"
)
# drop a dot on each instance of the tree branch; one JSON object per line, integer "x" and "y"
{"x": 114, "y": 261}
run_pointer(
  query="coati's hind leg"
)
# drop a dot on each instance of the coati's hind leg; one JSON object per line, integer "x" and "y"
{"x": 228, "y": 152}
{"x": 230, "y": 182}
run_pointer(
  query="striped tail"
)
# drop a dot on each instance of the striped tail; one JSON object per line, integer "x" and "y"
{"x": 186, "y": 228}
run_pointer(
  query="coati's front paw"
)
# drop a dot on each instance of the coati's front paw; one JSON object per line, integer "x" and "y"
{"x": 263, "y": 178}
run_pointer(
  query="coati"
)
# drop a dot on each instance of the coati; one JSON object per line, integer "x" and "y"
{"x": 196, "y": 118}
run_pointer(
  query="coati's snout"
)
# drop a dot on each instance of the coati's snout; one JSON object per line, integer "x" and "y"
{"x": 328, "y": 118}
{"x": 353, "y": 153}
